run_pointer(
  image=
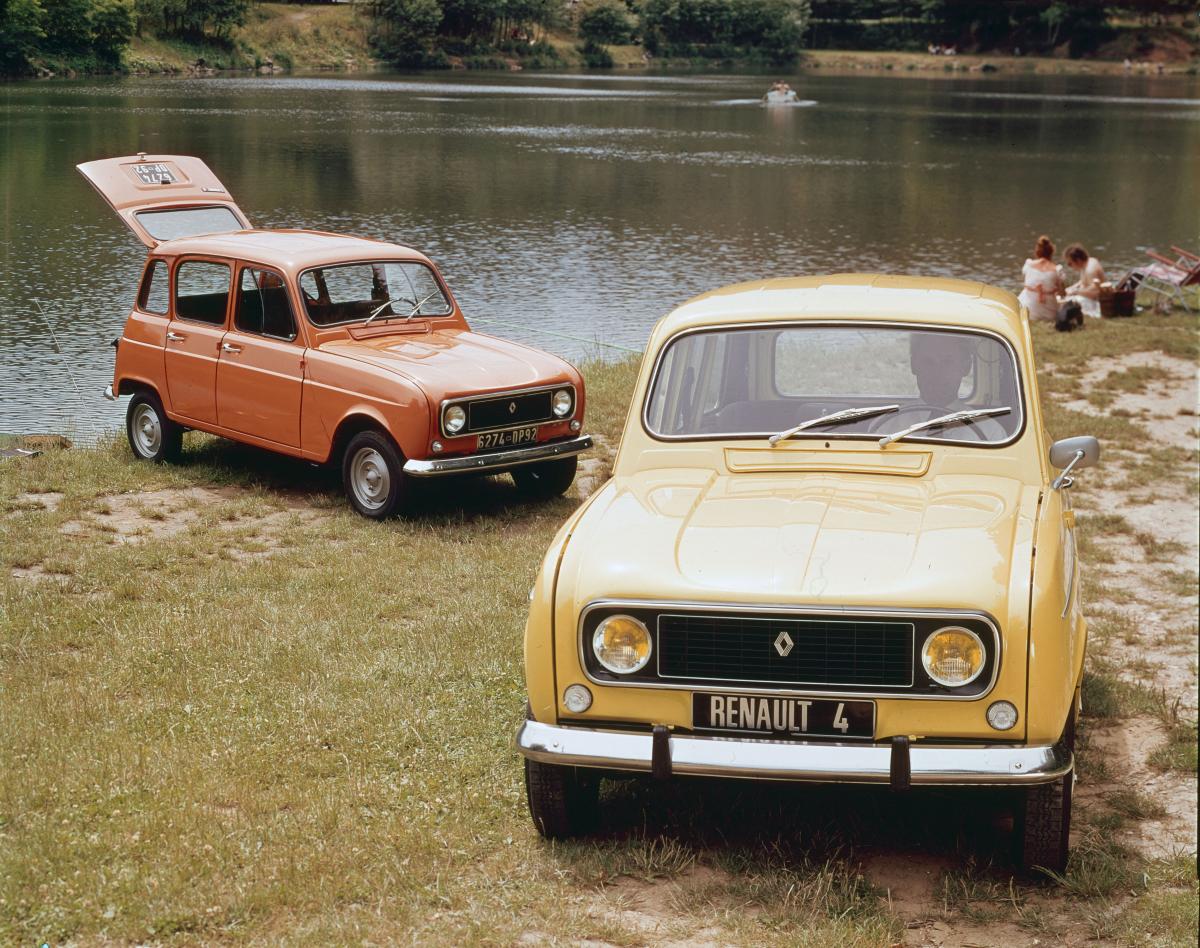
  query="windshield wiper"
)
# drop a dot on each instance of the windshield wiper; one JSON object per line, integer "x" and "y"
{"x": 954, "y": 418}
{"x": 848, "y": 414}
{"x": 385, "y": 304}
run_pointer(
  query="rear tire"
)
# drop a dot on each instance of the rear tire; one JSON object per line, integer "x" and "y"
{"x": 373, "y": 475}
{"x": 1043, "y": 818}
{"x": 152, "y": 435}
{"x": 547, "y": 479}
{"x": 563, "y": 801}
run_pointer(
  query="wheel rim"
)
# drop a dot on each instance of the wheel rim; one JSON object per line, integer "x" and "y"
{"x": 145, "y": 428}
{"x": 369, "y": 478}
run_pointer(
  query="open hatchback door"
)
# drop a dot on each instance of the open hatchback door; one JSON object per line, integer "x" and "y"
{"x": 162, "y": 197}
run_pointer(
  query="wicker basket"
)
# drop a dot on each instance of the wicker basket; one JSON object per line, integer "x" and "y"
{"x": 1115, "y": 302}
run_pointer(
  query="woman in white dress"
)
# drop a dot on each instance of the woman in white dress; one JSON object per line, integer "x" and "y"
{"x": 1043, "y": 282}
{"x": 1086, "y": 291}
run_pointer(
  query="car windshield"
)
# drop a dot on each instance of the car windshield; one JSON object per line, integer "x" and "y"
{"x": 759, "y": 382}
{"x": 357, "y": 291}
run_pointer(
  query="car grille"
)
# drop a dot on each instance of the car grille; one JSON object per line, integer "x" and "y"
{"x": 816, "y": 651}
{"x": 508, "y": 411}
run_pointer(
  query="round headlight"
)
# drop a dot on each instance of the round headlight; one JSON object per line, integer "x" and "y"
{"x": 564, "y": 401}
{"x": 622, "y": 644}
{"x": 953, "y": 656}
{"x": 1001, "y": 715}
{"x": 455, "y": 419}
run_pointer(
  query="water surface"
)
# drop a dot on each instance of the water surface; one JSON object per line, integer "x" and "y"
{"x": 583, "y": 205}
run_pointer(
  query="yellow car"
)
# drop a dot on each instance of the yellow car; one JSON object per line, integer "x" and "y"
{"x": 837, "y": 546}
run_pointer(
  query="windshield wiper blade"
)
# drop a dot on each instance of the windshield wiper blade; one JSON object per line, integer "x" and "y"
{"x": 847, "y": 414}
{"x": 384, "y": 305}
{"x": 954, "y": 418}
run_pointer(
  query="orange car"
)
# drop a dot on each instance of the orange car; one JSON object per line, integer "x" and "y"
{"x": 321, "y": 346}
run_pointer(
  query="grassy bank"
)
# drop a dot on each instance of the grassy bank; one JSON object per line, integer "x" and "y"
{"x": 231, "y": 711}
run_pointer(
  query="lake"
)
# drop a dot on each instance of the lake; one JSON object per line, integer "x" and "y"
{"x": 572, "y": 211}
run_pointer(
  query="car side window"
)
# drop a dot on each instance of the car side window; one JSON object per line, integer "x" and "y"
{"x": 202, "y": 291}
{"x": 155, "y": 295}
{"x": 262, "y": 305}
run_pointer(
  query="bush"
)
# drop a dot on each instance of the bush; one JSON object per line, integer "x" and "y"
{"x": 596, "y": 56}
{"x": 605, "y": 22}
{"x": 725, "y": 28}
{"x": 20, "y": 30}
{"x": 404, "y": 31}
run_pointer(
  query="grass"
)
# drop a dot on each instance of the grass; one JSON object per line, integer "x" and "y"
{"x": 235, "y": 712}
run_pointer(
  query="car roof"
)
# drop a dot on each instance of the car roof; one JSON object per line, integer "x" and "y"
{"x": 291, "y": 250}
{"x": 864, "y": 296}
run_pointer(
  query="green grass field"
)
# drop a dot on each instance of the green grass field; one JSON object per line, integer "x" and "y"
{"x": 231, "y": 711}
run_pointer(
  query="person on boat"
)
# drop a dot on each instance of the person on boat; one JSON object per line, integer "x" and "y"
{"x": 780, "y": 93}
{"x": 1086, "y": 290}
{"x": 1043, "y": 282}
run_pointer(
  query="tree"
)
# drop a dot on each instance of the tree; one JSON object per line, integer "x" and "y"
{"x": 404, "y": 30}
{"x": 20, "y": 30}
{"x": 113, "y": 23}
{"x": 605, "y": 22}
{"x": 68, "y": 25}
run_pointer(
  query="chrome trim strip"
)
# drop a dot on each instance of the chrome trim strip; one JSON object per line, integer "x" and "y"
{"x": 498, "y": 459}
{"x": 849, "y": 611}
{"x": 932, "y": 764}
{"x": 912, "y": 650}
{"x": 497, "y": 396}
{"x": 829, "y": 436}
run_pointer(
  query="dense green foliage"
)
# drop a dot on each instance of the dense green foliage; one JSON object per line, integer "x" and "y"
{"x": 725, "y": 29}
{"x": 92, "y": 34}
{"x": 427, "y": 32}
{"x": 1029, "y": 25}
{"x": 606, "y": 21}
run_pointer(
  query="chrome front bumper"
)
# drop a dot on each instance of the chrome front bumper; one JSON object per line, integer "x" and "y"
{"x": 498, "y": 460}
{"x": 940, "y": 764}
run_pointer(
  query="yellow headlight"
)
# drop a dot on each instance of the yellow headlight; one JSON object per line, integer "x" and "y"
{"x": 953, "y": 656}
{"x": 622, "y": 644}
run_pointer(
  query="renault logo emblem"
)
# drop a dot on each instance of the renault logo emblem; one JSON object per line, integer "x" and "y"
{"x": 512, "y": 408}
{"x": 783, "y": 644}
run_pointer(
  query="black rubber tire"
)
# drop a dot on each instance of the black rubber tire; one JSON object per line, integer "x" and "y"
{"x": 1043, "y": 817}
{"x": 563, "y": 801}
{"x": 393, "y": 500}
{"x": 170, "y": 439}
{"x": 547, "y": 479}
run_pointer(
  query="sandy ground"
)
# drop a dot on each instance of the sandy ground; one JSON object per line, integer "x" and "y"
{"x": 909, "y": 879}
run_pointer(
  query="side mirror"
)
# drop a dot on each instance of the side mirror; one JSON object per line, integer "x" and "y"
{"x": 1071, "y": 453}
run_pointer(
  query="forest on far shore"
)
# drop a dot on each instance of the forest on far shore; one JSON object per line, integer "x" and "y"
{"x": 96, "y": 35}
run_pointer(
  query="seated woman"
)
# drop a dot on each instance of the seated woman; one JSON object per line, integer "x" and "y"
{"x": 1043, "y": 282}
{"x": 1085, "y": 291}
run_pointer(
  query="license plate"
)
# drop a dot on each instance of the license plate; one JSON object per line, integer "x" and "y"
{"x": 783, "y": 717}
{"x": 505, "y": 439}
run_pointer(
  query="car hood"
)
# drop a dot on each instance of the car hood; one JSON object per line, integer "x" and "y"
{"x": 451, "y": 362}
{"x": 839, "y": 540}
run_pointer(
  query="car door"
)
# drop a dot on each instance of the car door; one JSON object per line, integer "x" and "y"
{"x": 260, "y": 372}
{"x": 200, "y": 308}
{"x": 162, "y": 197}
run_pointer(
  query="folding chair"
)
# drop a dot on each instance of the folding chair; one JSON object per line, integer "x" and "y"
{"x": 1166, "y": 277}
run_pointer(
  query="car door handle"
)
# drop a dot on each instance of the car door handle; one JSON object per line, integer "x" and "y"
{"x": 175, "y": 337}
{"x": 226, "y": 347}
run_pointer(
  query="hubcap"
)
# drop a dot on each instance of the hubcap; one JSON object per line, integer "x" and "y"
{"x": 146, "y": 430}
{"x": 369, "y": 478}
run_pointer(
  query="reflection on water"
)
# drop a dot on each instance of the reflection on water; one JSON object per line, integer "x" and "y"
{"x": 584, "y": 205}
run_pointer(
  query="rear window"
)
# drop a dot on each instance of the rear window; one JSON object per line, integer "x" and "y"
{"x": 188, "y": 222}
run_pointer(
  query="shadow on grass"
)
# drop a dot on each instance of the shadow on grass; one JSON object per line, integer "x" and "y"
{"x": 746, "y": 820}
{"x": 302, "y": 483}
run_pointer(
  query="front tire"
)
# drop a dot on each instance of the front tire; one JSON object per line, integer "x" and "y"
{"x": 152, "y": 435}
{"x": 547, "y": 479}
{"x": 1043, "y": 818}
{"x": 373, "y": 475}
{"x": 563, "y": 801}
